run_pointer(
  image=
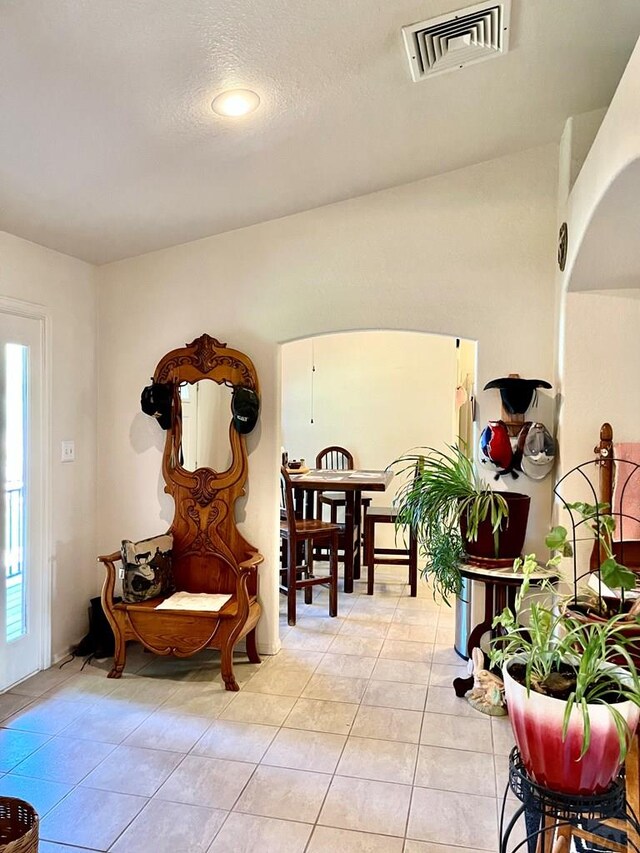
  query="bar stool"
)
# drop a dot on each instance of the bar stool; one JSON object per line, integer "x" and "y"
{"x": 388, "y": 556}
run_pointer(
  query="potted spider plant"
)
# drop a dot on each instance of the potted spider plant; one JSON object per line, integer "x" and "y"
{"x": 572, "y": 707}
{"x": 457, "y": 517}
{"x": 607, "y": 594}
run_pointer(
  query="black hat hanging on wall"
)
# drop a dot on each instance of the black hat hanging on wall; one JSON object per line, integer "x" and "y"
{"x": 517, "y": 394}
{"x": 156, "y": 400}
{"x": 245, "y": 408}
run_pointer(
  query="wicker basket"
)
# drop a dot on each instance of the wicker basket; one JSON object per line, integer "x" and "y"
{"x": 18, "y": 826}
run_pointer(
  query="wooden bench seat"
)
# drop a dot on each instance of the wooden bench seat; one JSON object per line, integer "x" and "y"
{"x": 229, "y": 610}
{"x": 185, "y": 632}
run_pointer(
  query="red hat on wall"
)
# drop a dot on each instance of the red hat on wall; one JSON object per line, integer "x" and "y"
{"x": 495, "y": 447}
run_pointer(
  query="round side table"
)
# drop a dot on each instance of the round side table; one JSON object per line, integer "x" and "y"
{"x": 500, "y": 589}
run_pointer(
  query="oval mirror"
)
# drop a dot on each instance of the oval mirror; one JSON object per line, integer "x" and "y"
{"x": 206, "y": 416}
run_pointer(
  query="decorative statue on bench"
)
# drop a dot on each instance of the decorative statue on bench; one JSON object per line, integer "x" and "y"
{"x": 208, "y": 553}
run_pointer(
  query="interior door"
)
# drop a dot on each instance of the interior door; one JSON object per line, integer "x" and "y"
{"x": 21, "y": 518}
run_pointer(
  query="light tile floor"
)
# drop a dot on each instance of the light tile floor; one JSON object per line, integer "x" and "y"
{"x": 350, "y": 739}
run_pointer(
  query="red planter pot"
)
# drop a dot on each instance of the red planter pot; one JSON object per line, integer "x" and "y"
{"x": 537, "y": 720}
{"x": 511, "y": 539}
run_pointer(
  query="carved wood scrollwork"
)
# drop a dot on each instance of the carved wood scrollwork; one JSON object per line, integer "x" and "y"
{"x": 206, "y": 487}
{"x": 204, "y": 521}
{"x": 207, "y": 357}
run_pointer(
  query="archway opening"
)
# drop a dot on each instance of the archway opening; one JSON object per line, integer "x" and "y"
{"x": 378, "y": 394}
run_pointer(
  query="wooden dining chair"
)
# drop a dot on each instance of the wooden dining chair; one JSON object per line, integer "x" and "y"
{"x": 336, "y": 458}
{"x": 308, "y": 533}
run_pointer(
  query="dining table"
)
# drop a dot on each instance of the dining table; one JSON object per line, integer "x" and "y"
{"x": 353, "y": 483}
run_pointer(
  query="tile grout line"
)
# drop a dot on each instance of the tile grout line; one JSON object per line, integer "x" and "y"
{"x": 415, "y": 766}
{"x": 367, "y": 679}
{"x": 346, "y": 740}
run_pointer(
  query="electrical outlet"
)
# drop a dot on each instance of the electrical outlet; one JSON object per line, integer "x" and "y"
{"x": 68, "y": 453}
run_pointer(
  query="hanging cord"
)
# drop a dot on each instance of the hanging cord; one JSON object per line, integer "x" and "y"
{"x": 313, "y": 370}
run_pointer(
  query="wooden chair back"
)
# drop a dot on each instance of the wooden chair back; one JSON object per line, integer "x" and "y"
{"x": 335, "y": 458}
{"x": 287, "y": 508}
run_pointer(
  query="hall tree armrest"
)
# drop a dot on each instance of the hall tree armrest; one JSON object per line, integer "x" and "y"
{"x": 251, "y": 562}
{"x": 108, "y": 606}
{"x": 109, "y": 584}
{"x": 247, "y": 571}
{"x": 111, "y": 558}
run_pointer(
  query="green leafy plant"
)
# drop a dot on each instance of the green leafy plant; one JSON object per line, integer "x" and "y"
{"x": 601, "y": 526}
{"x": 568, "y": 659}
{"x": 440, "y": 489}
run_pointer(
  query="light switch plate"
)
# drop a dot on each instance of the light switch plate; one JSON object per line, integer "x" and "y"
{"x": 68, "y": 453}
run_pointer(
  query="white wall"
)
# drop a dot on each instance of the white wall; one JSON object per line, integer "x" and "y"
{"x": 601, "y": 369}
{"x": 599, "y": 353}
{"x": 616, "y": 148}
{"x": 378, "y": 394}
{"x": 468, "y": 253}
{"x": 582, "y": 129}
{"x": 577, "y": 139}
{"x": 600, "y": 381}
{"x": 65, "y": 288}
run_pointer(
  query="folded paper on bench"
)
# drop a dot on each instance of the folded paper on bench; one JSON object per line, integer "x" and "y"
{"x": 194, "y": 601}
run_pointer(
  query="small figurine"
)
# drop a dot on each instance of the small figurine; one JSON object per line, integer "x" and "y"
{"x": 487, "y": 695}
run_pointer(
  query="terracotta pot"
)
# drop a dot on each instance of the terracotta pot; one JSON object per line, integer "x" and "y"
{"x": 537, "y": 720}
{"x": 511, "y": 538}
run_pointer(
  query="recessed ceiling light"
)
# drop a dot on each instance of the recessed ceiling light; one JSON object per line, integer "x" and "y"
{"x": 235, "y": 103}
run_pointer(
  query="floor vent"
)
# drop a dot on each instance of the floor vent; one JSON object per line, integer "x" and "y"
{"x": 457, "y": 39}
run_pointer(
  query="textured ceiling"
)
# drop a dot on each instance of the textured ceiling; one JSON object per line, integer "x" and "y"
{"x": 108, "y": 146}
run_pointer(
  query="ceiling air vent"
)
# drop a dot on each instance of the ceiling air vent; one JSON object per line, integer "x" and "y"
{"x": 457, "y": 39}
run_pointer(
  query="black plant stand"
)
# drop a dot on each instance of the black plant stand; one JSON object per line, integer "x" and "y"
{"x": 546, "y": 811}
